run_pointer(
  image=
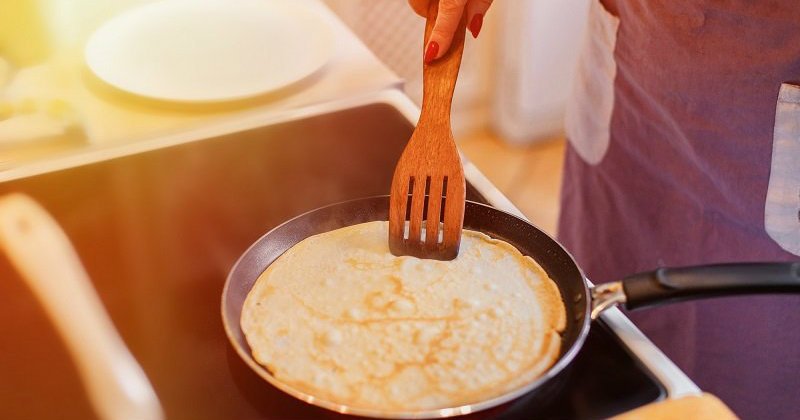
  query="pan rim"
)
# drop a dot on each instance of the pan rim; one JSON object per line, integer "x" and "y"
{"x": 563, "y": 361}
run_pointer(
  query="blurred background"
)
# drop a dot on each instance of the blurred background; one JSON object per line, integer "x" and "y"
{"x": 514, "y": 82}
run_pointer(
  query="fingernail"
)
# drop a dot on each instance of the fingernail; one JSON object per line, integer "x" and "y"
{"x": 475, "y": 25}
{"x": 431, "y": 52}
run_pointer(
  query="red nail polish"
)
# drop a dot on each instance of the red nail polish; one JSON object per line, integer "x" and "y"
{"x": 475, "y": 25}
{"x": 431, "y": 52}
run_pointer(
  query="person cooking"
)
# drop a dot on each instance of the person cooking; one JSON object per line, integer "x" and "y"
{"x": 684, "y": 149}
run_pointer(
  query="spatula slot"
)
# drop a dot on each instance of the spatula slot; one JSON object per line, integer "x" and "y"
{"x": 427, "y": 198}
{"x": 444, "y": 198}
{"x": 409, "y": 195}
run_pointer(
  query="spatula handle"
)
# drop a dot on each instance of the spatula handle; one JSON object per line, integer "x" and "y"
{"x": 439, "y": 77}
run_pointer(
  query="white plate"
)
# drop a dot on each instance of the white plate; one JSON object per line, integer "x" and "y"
{"x": 210, "y": 50}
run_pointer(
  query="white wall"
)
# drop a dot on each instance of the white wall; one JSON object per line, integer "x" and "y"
{"x": 538, "y": 44}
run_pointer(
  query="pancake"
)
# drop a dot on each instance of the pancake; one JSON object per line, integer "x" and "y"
{"x": 339, "y": 317}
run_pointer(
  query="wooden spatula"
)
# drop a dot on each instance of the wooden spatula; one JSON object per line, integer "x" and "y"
{"x": 428, "y": 183}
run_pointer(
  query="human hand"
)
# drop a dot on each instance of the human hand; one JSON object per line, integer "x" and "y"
{"x": 450, "y": 13}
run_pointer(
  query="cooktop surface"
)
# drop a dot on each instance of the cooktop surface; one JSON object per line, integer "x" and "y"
{"x": 158, "y": 233}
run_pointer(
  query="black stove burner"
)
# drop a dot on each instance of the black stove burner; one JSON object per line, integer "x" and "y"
{"x": 158, "y": 233}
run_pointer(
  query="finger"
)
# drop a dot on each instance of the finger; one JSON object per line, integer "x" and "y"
{"x": 450, "y": 12}
{"x": 420, "y": 6}
{"x": 476, "y": 10}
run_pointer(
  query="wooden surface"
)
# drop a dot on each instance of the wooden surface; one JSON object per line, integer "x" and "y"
{"x": 705, "y": 406}
{"x": 430, "y": 164}
{"x": 529, "y": 175}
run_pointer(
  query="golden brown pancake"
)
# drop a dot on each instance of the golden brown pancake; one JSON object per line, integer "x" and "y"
{"x": 339, "y": 317}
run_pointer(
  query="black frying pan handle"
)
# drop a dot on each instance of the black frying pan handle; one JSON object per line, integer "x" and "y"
{"x": 678, "y": 284}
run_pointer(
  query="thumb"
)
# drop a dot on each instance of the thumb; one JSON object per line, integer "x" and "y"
{"x": 450, "y": 13}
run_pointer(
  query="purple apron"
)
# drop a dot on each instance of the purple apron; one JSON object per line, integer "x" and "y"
{"x": 685, "y": 149}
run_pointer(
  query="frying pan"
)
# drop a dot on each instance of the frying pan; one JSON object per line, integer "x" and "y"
{"x": 582, "y": 302}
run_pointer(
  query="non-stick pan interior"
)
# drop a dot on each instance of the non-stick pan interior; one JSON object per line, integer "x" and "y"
{"x": 531, "y": 241}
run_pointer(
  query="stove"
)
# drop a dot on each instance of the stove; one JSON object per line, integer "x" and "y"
{"x": 158, "y": 232}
